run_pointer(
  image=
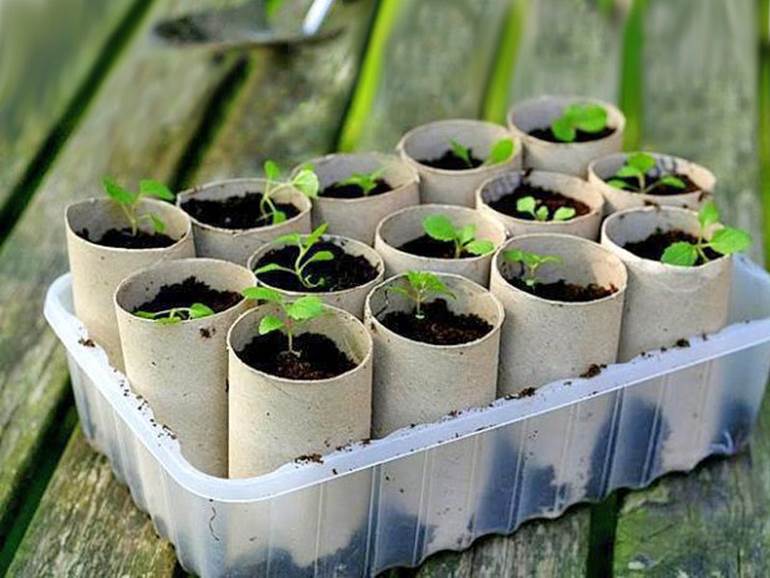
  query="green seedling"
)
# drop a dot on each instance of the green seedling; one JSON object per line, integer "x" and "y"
{"x": 419, "y": 287}
{"x": 441, "y": 228}
{"x": 293, "y": 314}
{"x": 539, "y": 210}
{"x": 530, "y": 263}
{"x": 724, "y": 241}
{"x": 367, "y": 182}
{"x": 304, "y": 243}
{"x": 637, "y": 166}
{"x": 590, "y": 118}
{"x": 129, "y": 202}
{"x": 305, "y": 181}
{"x": 500, "y": 152}
{"x": 177, "y": 314}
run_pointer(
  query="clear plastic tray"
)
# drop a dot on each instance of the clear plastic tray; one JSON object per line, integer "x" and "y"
{"x": 395, "y": 501}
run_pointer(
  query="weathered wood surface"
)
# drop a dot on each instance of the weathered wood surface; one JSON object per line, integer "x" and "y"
{"x": 130, "y": 132}
{"x": 42, "y": 69}
{"x": 87, "y": 525}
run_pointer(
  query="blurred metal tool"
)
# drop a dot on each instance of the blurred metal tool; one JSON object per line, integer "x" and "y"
{"x": 245, "y": 26}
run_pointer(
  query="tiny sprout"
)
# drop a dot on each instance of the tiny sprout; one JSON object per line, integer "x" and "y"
{"x": 590, "y": 118}
{"x": 304, "y": 244}
{"x": 419, "y": 286}
{"x": 637, "y": 166}
{"x": 530, "y": 263}
{"x": 367, "y": 182}
{"x": 305, "y": 181}
{"x": 500, "y": 152}
{"x": 441, "y": 228}
{"x": 293, "y": 313}
{"x": 177, "y": 314}
{"x": 129, "y": 202}
{"x": 724, "y": 241}
{"x": 539, "y": 211}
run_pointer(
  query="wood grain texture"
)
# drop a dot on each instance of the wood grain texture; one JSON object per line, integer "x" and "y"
{"x": 86, "y": 525}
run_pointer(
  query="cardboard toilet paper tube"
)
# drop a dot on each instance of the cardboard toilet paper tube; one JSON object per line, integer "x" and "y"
{"x": 406, "y": 225}
{"x": 358, "y": 218}
{"x": 181, "y": 369}
{"x": 97, "y": 269}
{"x": 603, "y": 169}
{"x": 665, "y": 303}
{"x": 274, "y": 420}
{"x": 419, "y": 382}
{"x": 570, "y": 158}
{"x": 350, "y": 300}
{"x": 237, "y": 245}
{"x": 452, "y": 187}
{"x": 586, "y": 226}
{"x": 545, "y": 340}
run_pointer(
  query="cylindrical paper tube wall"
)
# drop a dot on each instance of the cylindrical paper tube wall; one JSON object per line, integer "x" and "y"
{"x": 570, "y": 158}
{"x": 419, "y": 382}
{"x": 181, "y": 369}
{"x": 452, "y": 187}
{"x": 237, "y": 245}
{"x": 406, "y": 225}
{"x": 586, "y": 225}
{"x": 603, "y": 169}
{"x": 274, "y": 420}
{"x": 665, "y": 303}
{"x": 97, "y": 269}
{"x": 358, "y": 218}
{"x": 350, "y": 300}
{"x": 545, "y": 340}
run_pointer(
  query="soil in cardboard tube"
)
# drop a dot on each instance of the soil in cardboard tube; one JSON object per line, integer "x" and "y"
{"x": 236, "y": 212}
{"x": 563, "y": 291}
{"x": 438, "y": 326}
{"x": 449, "y": 161}
{"x": 190, "y": 291}
{"x": 425, "y": 246}
{"x": 653, "y": 246}
{"x": 351, "y": 191}
{"x": 660, "y": 190}
{"x": 546, "y": 134}
{"x": 551, "y": 199}
{"x": 319, "y": 357}
{"x": 125, "y": 239}
{"x": 345, "y": 271}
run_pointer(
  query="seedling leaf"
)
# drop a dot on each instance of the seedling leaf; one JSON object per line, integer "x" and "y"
{"x": 461, "y": 151}
{"x": 118, "y": 193}
{"x": 158, "y": 225}
{"x": 531, "y": 262}
{"x": 728, "y": 240}
{"x": 152, "y": 188}
{"x": 272, "y": 171}
{"x": 617, "y": 183}
{"x": 263, "y": 294}
{"x": 439, "y": 227}
{"x": 270, "y": 323}
{"x": 306, "y": 181}
{"x": 564, "y": 214}
{"x": 320, "y": 256}
{"x": 480, "y": 247}
{"x": 563, "y": 129}
{"x": 305, "y": 308}
{"x": 708, "y": 214}
{"x": 589, "y": 118}
{"x": 672, "y": 181}
{"x": 269, "y": 268}
{"x": 199, "y": 310}
{"x": 526, "y": 205}
{"x": 641, "y": 161}
{"x": 501, "y": 151}
{"x": 681, "y": 254}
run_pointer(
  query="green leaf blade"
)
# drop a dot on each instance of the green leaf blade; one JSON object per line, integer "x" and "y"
{"x": 270, "y": 323}
{"x": 439, "y": 227}
{"x": 728, "y": 240}
{"x": 680, "y": 254}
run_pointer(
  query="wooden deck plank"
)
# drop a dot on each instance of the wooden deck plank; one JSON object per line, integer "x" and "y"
{"x": 43, "y": 67}
{"x": 128, "y": 133}
{"x": 87, "y": 525}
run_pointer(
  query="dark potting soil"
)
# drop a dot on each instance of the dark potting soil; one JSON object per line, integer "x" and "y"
{"x": 551, "y": 199}
{"x": 546, "y": 134}
{"x": 661, "y": 190}
{"x": 439, "y": 325}
{"x": 338, "y": 191}
{"x": 188, "y": 292}
{"x": 561, "y": 290}
{"x": 235, "y": 212}
{"x": 451, "y": 162}
{"x": 319, "y": 357}
{"x": 653, "y": 246}
{"x": 345, "y": 271}
{"x": 125, "y": 239}
{"x": 426, "y": 246}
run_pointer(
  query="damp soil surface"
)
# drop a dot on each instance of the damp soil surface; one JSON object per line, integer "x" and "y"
{"x": 317, "y": 357}
{"x": 426, "y": 246}
{"x": 653, "y": 246}
{"x": 546, "y": 134}
{"x": 236, "y": 212}
{"x": 190, "y": 291}
{"x": 561, "y": 290}
{"x": 350, "y": 191}
{"x": 551, "y": 199}
{"x": 345, "y": 271}
{"x": 125, "y": 239}
{"x": 660, "y": 190}
{"x": 438, "y": 325}
{"x": 449, "y": 161}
